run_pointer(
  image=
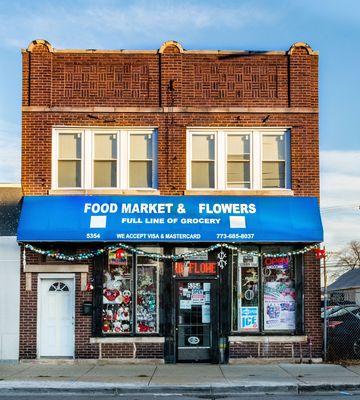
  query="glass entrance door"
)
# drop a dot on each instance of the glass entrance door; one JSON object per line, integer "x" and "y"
{"x": 195, "y": 322}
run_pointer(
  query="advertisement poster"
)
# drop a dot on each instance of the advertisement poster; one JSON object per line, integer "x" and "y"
{"x": 249, "y": 317}
{"x": 279, "y": 305}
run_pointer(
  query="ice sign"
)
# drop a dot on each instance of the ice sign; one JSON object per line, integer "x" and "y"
{"x": 249, "y": 318}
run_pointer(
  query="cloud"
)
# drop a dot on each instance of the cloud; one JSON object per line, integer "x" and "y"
{"x": 128, "y": 24}
{"x": 340, "y": 197}
{"x": 10, "y": 152}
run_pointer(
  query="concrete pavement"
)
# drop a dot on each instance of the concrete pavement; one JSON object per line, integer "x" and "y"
{"x": 112, "y": 377}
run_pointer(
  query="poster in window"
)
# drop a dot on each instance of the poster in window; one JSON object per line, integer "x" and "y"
{"x": 249, "y": 318}
{"x": 248, "y": 293}
{"x": 279, "y": 297}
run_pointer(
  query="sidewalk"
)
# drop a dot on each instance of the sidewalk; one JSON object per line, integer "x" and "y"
{"x": 180, "y": 378}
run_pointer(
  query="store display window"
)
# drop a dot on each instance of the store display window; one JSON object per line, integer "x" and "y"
{"x": 147, "y": 308}
{"x": 279, "y": 294}
{"x": 248, "y": 293}
{"x": 117, "y": 293}
{"x": 266, "y": 292}
{"x": 130, "y": 294}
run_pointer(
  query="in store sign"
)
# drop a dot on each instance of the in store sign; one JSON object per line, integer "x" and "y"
{"x": 186, "y": 268}
{"x": 277, "y": 262}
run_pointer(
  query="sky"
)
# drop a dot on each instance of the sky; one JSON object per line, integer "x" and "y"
{"x": 330, "y": 26}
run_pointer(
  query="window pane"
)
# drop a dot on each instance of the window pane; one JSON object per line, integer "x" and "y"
{"x": 140, "y": 174}
{"x": 105, "y": 173}
{"x": 69, "y": 145}
{"x": 202, "y": 174}
{"x": 203, "y": 147}
{"x": 248, "y": 293}
{"x": 279, "y": 294}
{"x": 238, "y": 144}
{"x": 105, "y": 146}
{"x": 238, "y": 174}
{"x": 273, "y": 147}
{"x": 273, "y": 174}
{"x": 140, "y": 147}
{"x": 146, "y": 301}
{"x": 117, "y": 294}
{"x": 69, "y": 173}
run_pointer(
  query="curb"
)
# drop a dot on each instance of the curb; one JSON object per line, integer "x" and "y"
{"x": 223, "y": 390}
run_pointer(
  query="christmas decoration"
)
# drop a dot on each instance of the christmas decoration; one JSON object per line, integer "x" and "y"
{"x": 156, "y": 256}
{"x": 221, "y": 259}
{"x": 320, "y": 253}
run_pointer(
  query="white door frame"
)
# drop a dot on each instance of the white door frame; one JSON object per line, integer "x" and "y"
{"x": 52, "y": 276}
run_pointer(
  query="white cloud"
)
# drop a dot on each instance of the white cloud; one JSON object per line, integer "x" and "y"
{"x": 94, "y": 24}
{"x": 340, "y": 197}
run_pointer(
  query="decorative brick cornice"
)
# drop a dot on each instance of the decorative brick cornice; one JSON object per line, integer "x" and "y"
{"x": 160, "y": 110}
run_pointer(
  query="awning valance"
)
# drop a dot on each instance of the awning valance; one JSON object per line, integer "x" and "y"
{"x": 170, "y": 219}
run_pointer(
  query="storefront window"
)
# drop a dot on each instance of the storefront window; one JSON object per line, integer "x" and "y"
{"x": 279, "y": 294}
{"x": 127, "y": 278}
{"x": 248, "y": 293}
{"x": 264, "y": 293}
{"x": 146, "y": 295}
{"x": 117, "y": 293}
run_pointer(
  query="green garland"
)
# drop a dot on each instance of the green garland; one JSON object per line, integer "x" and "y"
{"x": 156, "y": 256}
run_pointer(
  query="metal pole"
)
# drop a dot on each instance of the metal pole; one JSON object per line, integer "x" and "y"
{"x": 325, "y": 308}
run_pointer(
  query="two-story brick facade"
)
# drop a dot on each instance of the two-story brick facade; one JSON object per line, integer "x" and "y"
{"x": 174, "y": 200}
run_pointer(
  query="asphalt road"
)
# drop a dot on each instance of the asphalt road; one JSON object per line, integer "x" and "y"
{"x": 68, "y": 396}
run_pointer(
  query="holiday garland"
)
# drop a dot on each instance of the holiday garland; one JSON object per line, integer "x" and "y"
{"x": 156, "y": 256}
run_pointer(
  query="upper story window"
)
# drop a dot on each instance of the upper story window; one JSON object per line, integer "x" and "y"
{"x": 237, "y": 159}
{"x": 104, "y": 159}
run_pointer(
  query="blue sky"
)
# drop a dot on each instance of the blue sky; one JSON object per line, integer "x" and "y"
{"x": 330, "y": 26}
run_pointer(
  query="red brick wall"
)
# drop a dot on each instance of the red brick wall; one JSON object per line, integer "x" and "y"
{"x": 171, "y": 79}
{"x": 36, "y": 153}
{"x": 123, "y": 79}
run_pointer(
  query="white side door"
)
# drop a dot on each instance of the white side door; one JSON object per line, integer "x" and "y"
{"x": 56, "y": 317}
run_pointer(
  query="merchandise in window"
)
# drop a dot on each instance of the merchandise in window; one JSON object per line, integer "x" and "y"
{"x": 265, "y": 297}
{"x": 117, "y": 315}
{"x": 146, "y": 296}
{"x": 279, "y": 294}
{"x": 248, "y": 293}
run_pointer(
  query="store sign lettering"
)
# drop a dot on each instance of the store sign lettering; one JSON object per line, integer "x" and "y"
{"x": 277, "y": 262}
{"x": 195, "y": 268}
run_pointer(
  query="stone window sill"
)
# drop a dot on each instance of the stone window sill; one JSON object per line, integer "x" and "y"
{"x": 103, "y": 191}
{"x": 268, "y": 339}
{"x": 127, "y": 339}
{"x": 265, "y": 192}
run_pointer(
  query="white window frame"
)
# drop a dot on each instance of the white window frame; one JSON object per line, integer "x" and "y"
{"x": 190, "y": 134}
{"x": 256, "y": 156}
{"x": 55, "y": 157}
{"x": 286, "y": 135}
{"x": 88, "y": 152}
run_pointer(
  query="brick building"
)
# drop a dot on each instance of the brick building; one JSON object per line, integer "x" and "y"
{"x": 171, "y": 201}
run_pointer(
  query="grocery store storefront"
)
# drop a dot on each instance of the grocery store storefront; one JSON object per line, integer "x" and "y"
{"x": 169, "y": 278}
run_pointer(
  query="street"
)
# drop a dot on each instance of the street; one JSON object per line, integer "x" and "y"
{"x": 104, "y": 396}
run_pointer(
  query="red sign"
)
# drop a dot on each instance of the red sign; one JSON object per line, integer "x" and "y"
{"x": 195, "y": 268}
{"x": 277, "y": 262}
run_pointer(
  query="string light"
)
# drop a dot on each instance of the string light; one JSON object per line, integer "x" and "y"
{"x": 161, "y": 257}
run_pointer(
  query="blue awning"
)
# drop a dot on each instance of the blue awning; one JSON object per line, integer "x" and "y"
{"x": 170, "y": 219}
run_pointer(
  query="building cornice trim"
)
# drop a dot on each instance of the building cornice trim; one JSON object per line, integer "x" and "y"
{"x": 160, "y": 110}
